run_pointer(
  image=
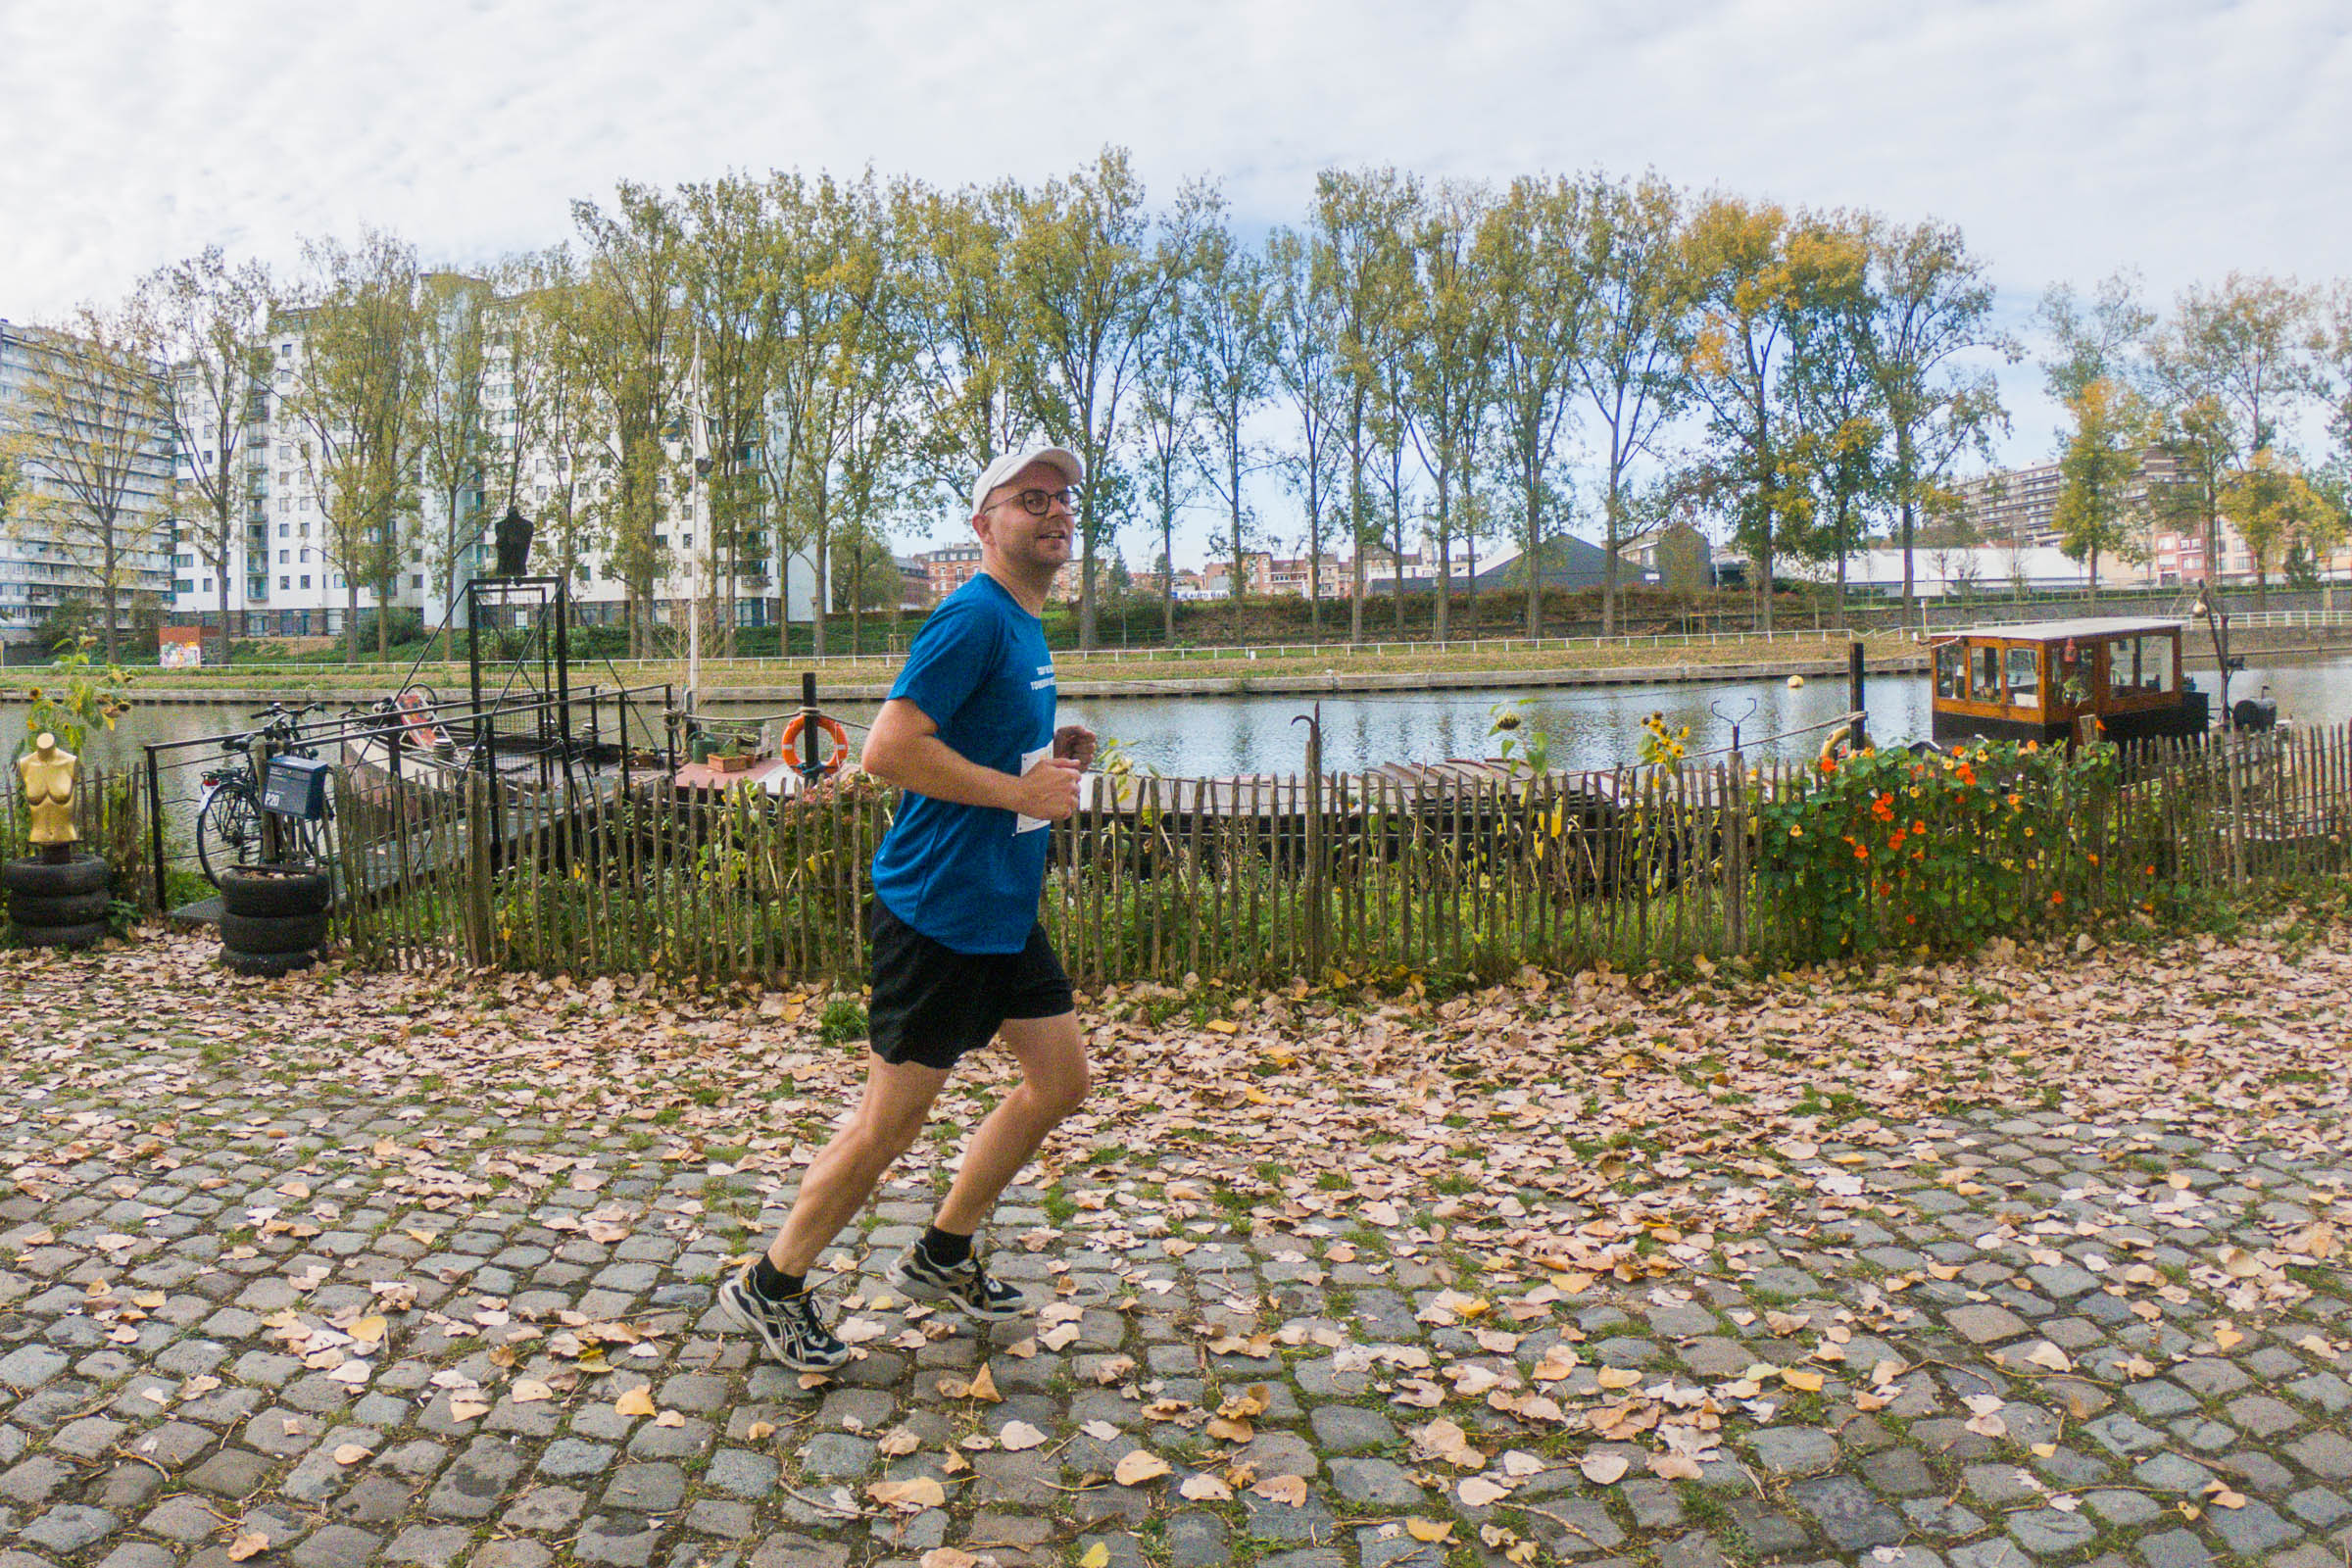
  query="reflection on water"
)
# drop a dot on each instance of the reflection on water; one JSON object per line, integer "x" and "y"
{"x": 1591, "y": 727}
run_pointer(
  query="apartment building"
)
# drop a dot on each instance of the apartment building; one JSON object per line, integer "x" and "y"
{"x": 284, "y": 583}
{"x": 2017, "y": 510}
{"x": 948, "y": 568}
{"x": 49, "y": 554}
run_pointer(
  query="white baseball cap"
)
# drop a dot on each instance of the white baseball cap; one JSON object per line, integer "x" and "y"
{"x": 1001, "y": 472}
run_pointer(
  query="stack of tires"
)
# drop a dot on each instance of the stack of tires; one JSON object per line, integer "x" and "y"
{"x": 273, "y": 917}
{"x": 57, "y": 904}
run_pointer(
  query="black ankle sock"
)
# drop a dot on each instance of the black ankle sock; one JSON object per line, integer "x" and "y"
{"x": 773, "y": 1283}
{"x": 946, "y": 1248}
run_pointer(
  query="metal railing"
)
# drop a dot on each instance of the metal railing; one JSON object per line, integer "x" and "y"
{"x": 579, "y": 717}
{"x": 1152, "y": 654}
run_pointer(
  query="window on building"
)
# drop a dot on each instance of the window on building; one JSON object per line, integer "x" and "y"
{"x": 305, "y": 557}
{"x": 182, "y": 585}
{"x": 415, "y": 579}
{"x": 282, "y": 527}
{"x": 284, "y": 582}
{"x": 305, "y": 579}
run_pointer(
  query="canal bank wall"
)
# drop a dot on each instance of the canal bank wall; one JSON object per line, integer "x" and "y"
{"x": 1828, "y": 659}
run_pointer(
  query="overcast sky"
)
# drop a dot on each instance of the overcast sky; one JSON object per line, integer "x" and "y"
{"x": 2066, "y": 137}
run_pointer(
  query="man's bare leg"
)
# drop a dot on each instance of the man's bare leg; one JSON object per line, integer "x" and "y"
{"x": 898, "y": 1097}
{"x": 1055, "y": 1079}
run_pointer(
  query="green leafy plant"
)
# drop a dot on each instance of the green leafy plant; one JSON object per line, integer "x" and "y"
{"x": 1884, "y": 850}
{"x": 843, "y": 1020}
{"x": 1533, "y": 746}
{"x": 1662, "y": 747}
{"x": 80, "y": 694}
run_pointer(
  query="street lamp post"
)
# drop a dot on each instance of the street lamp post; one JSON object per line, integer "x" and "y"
{"x": 2217, "y": 625}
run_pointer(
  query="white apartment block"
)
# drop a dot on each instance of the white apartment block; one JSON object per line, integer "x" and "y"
{"x": 2017, "y": 510}
{"x": 42, "y": 566}
{"x": 283, "y": 583}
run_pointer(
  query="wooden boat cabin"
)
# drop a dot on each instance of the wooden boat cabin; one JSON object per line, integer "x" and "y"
{"x": 2040, "y": 682}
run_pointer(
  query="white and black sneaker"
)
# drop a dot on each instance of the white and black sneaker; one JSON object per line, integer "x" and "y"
{"x": 791, "y": 1328}
{"x": 963, "y": 1287}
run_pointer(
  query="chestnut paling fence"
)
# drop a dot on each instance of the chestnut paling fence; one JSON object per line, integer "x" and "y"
{"x": 1328, "y": 874}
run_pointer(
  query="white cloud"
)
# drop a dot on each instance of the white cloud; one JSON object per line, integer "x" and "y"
{"x": 2066, "y": 137}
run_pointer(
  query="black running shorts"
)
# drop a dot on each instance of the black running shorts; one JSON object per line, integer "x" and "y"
{"x": 932, "y": 1003}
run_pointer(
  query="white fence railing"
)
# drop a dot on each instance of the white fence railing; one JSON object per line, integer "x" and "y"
{"x": 781, "y": 663}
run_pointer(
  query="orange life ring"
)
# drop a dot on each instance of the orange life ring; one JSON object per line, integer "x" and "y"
{"x": 831, "y": 726}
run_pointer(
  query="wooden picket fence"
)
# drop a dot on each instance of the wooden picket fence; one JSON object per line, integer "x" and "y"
{"x": 1258, "y": 881}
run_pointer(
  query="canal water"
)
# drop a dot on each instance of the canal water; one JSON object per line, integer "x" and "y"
{"x": 1587, "y": 727}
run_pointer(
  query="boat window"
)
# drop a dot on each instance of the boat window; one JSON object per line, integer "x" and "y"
{"x": 1951, "y": 670}
{"x": 2123, "y": 666}
{"x": 2025, "y": 678}
{"x": 1988, "y": 682}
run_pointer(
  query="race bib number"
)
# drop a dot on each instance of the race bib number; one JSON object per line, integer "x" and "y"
{"x": 1029, "y": 759}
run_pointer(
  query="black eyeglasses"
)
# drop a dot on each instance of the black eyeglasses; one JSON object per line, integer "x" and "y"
{"x": 1037, "y": 503}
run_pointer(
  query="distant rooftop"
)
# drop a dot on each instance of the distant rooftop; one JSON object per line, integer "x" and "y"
{"x": 2050, "y": 631}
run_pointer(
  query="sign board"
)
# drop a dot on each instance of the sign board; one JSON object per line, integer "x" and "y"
{"x": 296, "y": 786}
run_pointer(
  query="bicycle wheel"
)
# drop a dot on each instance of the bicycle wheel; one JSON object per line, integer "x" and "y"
{"x": 228, "y": 830}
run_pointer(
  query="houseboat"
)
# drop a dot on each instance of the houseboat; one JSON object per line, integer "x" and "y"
{"x": 2106, "y": 677}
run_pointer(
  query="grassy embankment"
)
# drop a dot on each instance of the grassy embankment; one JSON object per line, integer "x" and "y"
{"x": 1162, "y": 667}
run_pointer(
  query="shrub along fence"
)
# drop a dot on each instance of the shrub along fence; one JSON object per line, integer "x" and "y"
{"x": 1363, "y": 877}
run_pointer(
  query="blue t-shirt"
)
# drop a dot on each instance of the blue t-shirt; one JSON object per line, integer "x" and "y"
{"x": 969, "y": 876}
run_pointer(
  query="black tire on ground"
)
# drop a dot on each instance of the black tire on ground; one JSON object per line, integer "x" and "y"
{"x": 266, "y": 890}
{"x": 30, "y": 910}
{"x": 62, "y": 936}
{"x": 266, "y": 965}
{"x": 255, "y": 935}
{"x": 86, "y": 874}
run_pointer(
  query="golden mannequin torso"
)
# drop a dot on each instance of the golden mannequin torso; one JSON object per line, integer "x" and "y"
{"x": 48, "y": 773}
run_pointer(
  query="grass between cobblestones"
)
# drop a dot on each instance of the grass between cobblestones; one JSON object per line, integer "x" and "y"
{"x": 2036, "y": 1257}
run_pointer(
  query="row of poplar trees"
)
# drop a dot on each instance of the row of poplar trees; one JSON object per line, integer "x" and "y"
{"x": 1413, "y": 360}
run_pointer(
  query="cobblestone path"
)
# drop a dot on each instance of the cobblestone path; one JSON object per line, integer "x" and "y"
{"x": 256, "y": 1308}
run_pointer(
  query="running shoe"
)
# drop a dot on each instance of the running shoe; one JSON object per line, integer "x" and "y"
{"x": 963, "y": 1287}
{"x": 791, "y": 1328}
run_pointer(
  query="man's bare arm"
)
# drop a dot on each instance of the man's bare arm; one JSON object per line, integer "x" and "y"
{"x": 904, "y": 748}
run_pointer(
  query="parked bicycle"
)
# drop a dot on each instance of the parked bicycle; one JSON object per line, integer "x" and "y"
{"x": 229, "y": 821}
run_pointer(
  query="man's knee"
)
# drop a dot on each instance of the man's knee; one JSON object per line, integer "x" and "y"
{"x": 1064, "y": 1090}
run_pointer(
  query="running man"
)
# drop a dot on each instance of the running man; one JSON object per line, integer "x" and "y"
{"x": 959, "y": 955}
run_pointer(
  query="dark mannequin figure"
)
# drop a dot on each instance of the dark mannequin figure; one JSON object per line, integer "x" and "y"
{"x": 513, "y": 541}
